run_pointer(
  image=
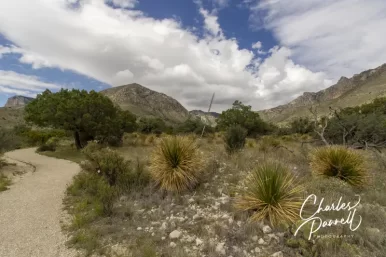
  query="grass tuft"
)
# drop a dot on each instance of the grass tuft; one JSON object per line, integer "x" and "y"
{"x": 340, "y": 162}
{"x": 176, "y": 164}
{"x": 272, "y": 193}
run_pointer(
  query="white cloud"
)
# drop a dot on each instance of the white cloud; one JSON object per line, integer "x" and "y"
{"x": 221, "y": 3}
{"x": 257, "y": 45}
{"x": 340, "y": 37}
{"x": 121, "y": 46}
{"x": 211, "y": 24}
{"x": 123, "y": 3}
{"x": 20, "y": 84}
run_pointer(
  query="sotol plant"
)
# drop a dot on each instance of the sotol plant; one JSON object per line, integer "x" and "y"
{"x": 272, "y": 193}
{"x": 340, "y": 162}
{"x": 176, "y": 164}
{"x": 235, "y": 138}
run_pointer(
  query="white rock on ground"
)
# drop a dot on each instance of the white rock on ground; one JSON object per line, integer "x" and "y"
{"x": 220, "y": 248}
{"x": 175, "y": 234}
{"x": 277, "y": 254}
{"x": 267, "y": 229}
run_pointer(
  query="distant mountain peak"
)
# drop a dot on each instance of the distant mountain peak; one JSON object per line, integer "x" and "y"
{"x": 143, "y": 101}
{"x": 18, "y": 101}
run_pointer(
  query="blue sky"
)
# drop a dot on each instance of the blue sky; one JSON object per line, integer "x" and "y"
{"x": 262, "y": 52}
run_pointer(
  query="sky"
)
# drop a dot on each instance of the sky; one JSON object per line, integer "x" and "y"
{"x": 261, "y": 52}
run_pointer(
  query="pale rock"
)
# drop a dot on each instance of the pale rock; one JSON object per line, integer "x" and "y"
{"x": 267, "y": 229}
{"x": 172, "y": 244}
{"x": 198, "y": 241}
{"x": 257, "y": 250}
{"x": 175, "y": 234}
{"x": 220, "y": 248}
{"x": 277, "y": 254}
{"x": 261, "y": 242}
{"x": 255, "y": 238}
{"x": 139, "y": 228}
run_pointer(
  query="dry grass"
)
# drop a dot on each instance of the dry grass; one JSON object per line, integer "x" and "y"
{"x": 176, "y": 164}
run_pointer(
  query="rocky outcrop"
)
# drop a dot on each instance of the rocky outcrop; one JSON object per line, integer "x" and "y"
{"x": 18, "y": 101}
{"x": 208, "y": 118}
{"x": 145, "y": 102}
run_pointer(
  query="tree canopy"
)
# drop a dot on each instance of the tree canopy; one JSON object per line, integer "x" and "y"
{"x": 89, "y": 115}
{"x": 242, "y": 115}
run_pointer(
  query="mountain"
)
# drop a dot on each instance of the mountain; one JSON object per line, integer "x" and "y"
{"x": 18, "y": 101}
{"x": 208, "y": 118}
{"x": 145, "y": 102}
{"x": 347, "y": 92}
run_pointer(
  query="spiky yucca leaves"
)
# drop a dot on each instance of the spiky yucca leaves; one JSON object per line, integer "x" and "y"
{"x": 272, "y": 193}
{"x": 341, "y": 162}
{"x": 176, "y": 163}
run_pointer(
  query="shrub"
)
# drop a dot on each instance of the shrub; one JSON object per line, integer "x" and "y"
{"x": 176, "y": 164}
{"x": 272, "y": 193}
{"x": 341, "y": 162}
{"x": 235, "y": 138}
{"x": 268, "y": 142}
{"x": 9, "y": 140}
{"x": 4, "y": 182}
{"x": 301, "y": 125}
{"x": 113, "y": 167}
{"x": 46, "y": 148}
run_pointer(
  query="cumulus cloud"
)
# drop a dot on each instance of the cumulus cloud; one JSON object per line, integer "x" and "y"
{"x": 340, "y": 37}
{"x": 123, "y": 3}
{"x": 15, "y": 83}
{"x": 257, "y": 45}
{"x": 120, "y": 46}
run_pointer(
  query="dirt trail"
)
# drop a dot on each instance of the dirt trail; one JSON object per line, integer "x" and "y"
{"x": 31, "y": 210}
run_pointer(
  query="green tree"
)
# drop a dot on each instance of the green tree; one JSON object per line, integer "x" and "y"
{"x": 149, "y": 125}
{"x": 302, "y": 125}
{"x": 243, "y": 115}
{"x": 88, "y": 115}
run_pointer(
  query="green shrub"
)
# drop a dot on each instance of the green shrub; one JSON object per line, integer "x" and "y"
{"x": 4, "y": 182}
{"x": 114, "y": 168}
{"x": 9, "y": 140}
{"x": 176, "y": 164}
{"x": 341, "y": 162}
{"x": 46, "y": 148}
{"x": 301, "y": 125}
{"x": 235, "y": 138}
{"x": 272, "y": 193}
{"x": 40, "y": 137}
{"x": 104, "y": 161}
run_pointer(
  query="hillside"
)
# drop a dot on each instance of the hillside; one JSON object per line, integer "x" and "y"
{"x": 208, "y": 118}
{"x": 145, "y": 102}
{"x": 11, "y": 116}
{"x": 359, "y": 89}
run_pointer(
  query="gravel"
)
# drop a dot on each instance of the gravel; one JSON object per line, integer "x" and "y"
{"x": 31, "y": 210}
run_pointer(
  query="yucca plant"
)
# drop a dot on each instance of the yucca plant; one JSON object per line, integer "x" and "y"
{"x": 272, "y": 193}
{"x": 176, "y": 163}
{"x": 340, "y": 162}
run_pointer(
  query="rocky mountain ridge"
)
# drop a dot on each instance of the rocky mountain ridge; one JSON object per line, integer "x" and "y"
{"x": 18, "y": 101}
{"x": 359, "y": 89}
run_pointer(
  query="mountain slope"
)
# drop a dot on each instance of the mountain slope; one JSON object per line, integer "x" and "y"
{"x": 145, "y": 102}
{"x": 208, "y": 118}
{"x": 359, "y": 89}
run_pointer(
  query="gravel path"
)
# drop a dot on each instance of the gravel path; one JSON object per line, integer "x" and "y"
{"x": 31, "y": 210}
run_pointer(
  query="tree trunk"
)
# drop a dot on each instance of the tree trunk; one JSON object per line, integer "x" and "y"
{"x": 78, "y": 143}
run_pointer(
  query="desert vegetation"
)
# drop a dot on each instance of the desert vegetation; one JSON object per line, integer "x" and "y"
{"x": 149, "y": 188}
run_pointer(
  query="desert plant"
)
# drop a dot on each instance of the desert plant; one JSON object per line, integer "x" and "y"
{"x": 341, "y": 162}
{"x": 104, "y": 161}
{"x": 176, "y": 164}
{"x": 46, "y": 148}
{"x": 235, "y": 138}
{"x": 272, "y": 193}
